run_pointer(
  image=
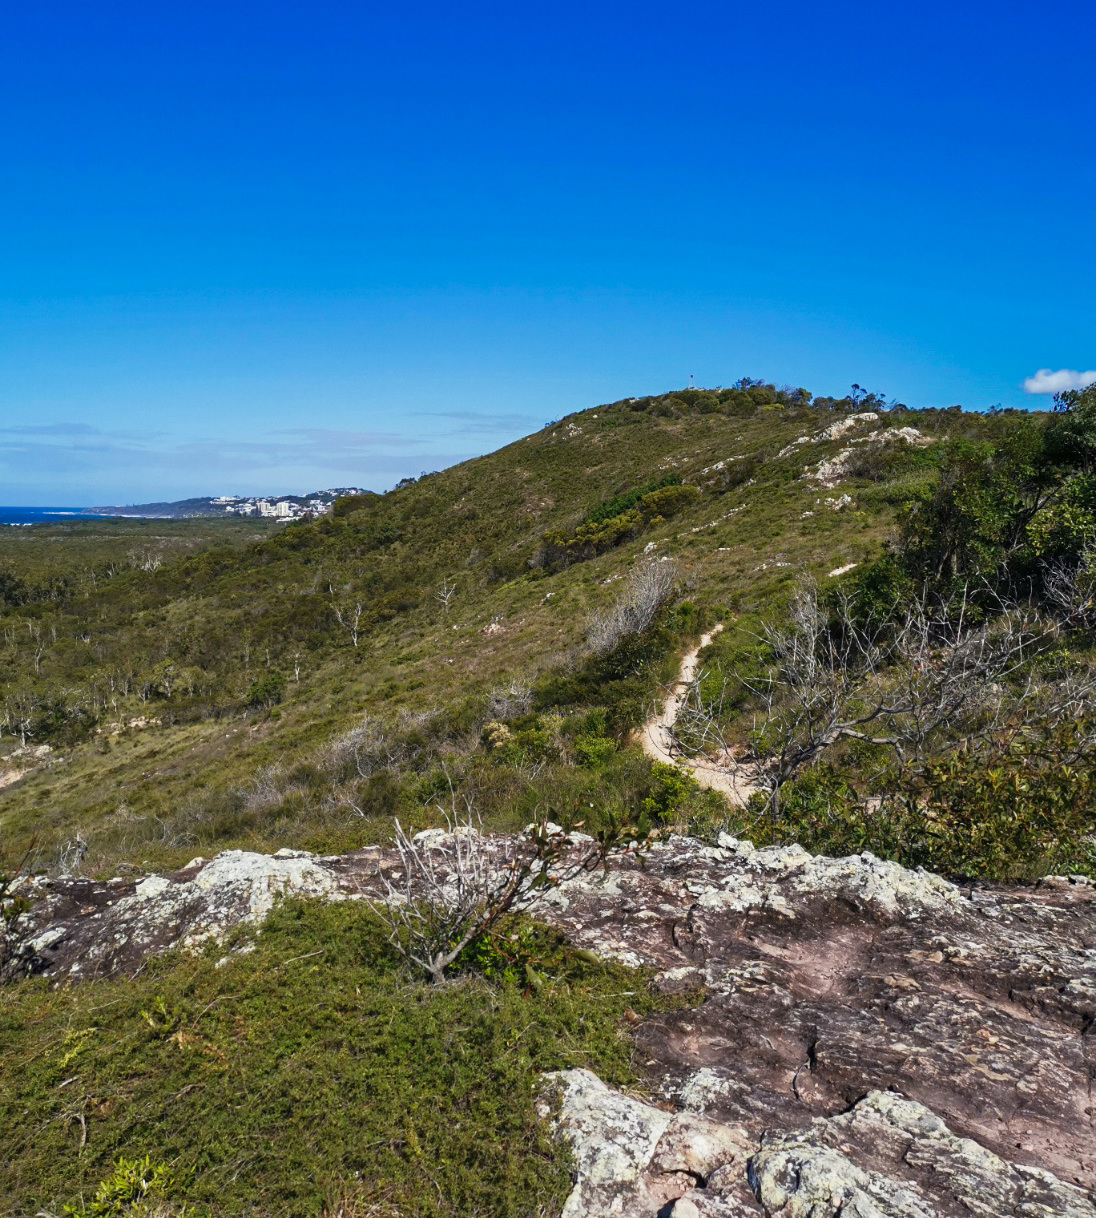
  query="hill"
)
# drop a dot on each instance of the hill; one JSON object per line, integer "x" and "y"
{"x": 285, "y": 507}
{"x": 167, "y": 695}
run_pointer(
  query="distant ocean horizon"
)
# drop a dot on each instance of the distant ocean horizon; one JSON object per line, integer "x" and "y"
{"x": 40, "y": 515}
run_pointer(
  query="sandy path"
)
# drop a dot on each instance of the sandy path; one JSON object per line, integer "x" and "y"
{"x": 656, "y": 740}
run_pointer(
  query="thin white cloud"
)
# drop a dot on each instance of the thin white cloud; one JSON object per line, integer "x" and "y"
{"x": 353, "y": 439}
{"x": 1046, "y": 381}
{"x": 72, "y": 462}
{"x": 475, "y": 422}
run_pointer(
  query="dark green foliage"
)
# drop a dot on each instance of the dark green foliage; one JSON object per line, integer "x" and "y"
{"x": 13, "y": 591}
{"x": 518, "y": 952}
{"x": 618, "y": 519}
{"x": 267, "y": 691}
{"x": 671, "y": 789}
{"x": 1071, "y": 433}
{"x": 344, "y": 505}
{"x": 1002, "y": 506}
{"x": 628, "y": 499}
{"x": 307, "y": 1073}
{"x": 890, "y": 462}
{"x": 625, "y": 680}
{"x": 593, "y": 751}
{"x": 1017, "y": 809}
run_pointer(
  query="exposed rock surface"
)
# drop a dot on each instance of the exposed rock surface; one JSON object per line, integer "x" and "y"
{"x": 832, "y": 472}
{"x": 872, "y": 1041}
{"x": 833, "y": 432}
{"x": 885, "y": 1156}
{"x": 83, "y": 929}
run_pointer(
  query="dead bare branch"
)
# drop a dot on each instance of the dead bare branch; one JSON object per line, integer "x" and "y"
{"x": 455, "y": 884}
{"x": 938, "y": 677}
{"x": 650, "y": 585}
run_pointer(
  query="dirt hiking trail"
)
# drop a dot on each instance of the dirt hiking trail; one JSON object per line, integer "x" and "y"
{"x": 656, "y": 736}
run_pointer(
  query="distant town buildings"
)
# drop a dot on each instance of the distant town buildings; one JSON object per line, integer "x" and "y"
{"x": 284, "y": 507}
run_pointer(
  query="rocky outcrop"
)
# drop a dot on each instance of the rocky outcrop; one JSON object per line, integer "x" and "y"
{"x": 833, "y": 432}
{"x": 82, "y": 929}
{"x": 632, "y": 1158}
{"x": 833, "y": 471}
{"x": 886, "y": 1157}
{"x": 831, "y": 979}
{"x": 871, "y": 1040}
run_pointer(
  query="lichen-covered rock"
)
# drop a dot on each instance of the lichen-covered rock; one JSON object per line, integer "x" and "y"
{"x": 830, "y": 473}
{"x": 824, "y": 981}
{"x": 829, "y": 978}
{"x": 83, "y": 929}
{"x": 889, "y": 1157}
{"x": 632, "y": 1158}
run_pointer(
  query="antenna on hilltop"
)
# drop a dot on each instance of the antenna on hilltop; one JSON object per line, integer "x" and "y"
{"x": 692, "y": 381}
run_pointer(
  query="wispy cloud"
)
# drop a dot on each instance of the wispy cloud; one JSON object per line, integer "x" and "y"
{"x": 354, "y": 439}
{"x": 1046, "y": 381}
{"x": 53, "y": 429}
{"x": 475, "y": 422}
{"x": 76, "y": 431}
{"x": 129, "y": 465}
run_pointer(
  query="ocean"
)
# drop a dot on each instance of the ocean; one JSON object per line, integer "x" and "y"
{"x": 38, "y": 515}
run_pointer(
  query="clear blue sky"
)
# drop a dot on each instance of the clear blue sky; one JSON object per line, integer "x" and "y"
{"x": 272, "y": 247}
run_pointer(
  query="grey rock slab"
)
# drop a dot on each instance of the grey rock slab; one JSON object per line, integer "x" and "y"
{"x": 824, "y": 981}
{"x": 886, "y": 1157}
{"x": 632, "y": 1158}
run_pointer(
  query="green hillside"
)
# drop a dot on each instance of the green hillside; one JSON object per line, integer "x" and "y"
{"x": 238, "y": 673}
{"x": 240, "y": 666}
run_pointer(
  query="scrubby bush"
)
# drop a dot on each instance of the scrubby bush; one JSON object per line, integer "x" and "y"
{"x": 134, "y": 1189}
{"x": 345, "y": 505}
{"x": 1016, "y": 809}
{"x": 510, "y": 701}
{"x": 593, "y": 750}
{"x": 617, "y": 519}
{"x": 650, "y": 585}
{"x": 517, "y": 952}
{"x": 266, "y": 691}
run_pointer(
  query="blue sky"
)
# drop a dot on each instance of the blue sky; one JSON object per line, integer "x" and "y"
{"x": 275, "y": 247}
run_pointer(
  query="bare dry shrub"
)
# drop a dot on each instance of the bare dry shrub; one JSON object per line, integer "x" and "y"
{"x": 456, "y": 884}
{"x": 650, "y": 585}
{"x": 71, "y": 855}
{"x": 375, "y": 744}
{"x": 510, "y": 701}
{"x": 1070, "y": 591}
{"x": 939, "y": 678}
{"x": 268, "y": 790}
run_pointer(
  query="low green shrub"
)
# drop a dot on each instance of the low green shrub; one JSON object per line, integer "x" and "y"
{"x": 1016, "y": 810}
{"x": 133, "y": 1188}
{"x": 518, "y": 952}
{"x": 266, "y": 691}
{"x": 310, "y": 1070}
{"x": 593, "y": 751}
{"x": 617, "y": 519}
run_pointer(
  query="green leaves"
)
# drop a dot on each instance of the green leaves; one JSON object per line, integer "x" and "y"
{"x": 131, "y": 1183}
{"x": 617, "y": 519}
{"x": 1017, "y": 809}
